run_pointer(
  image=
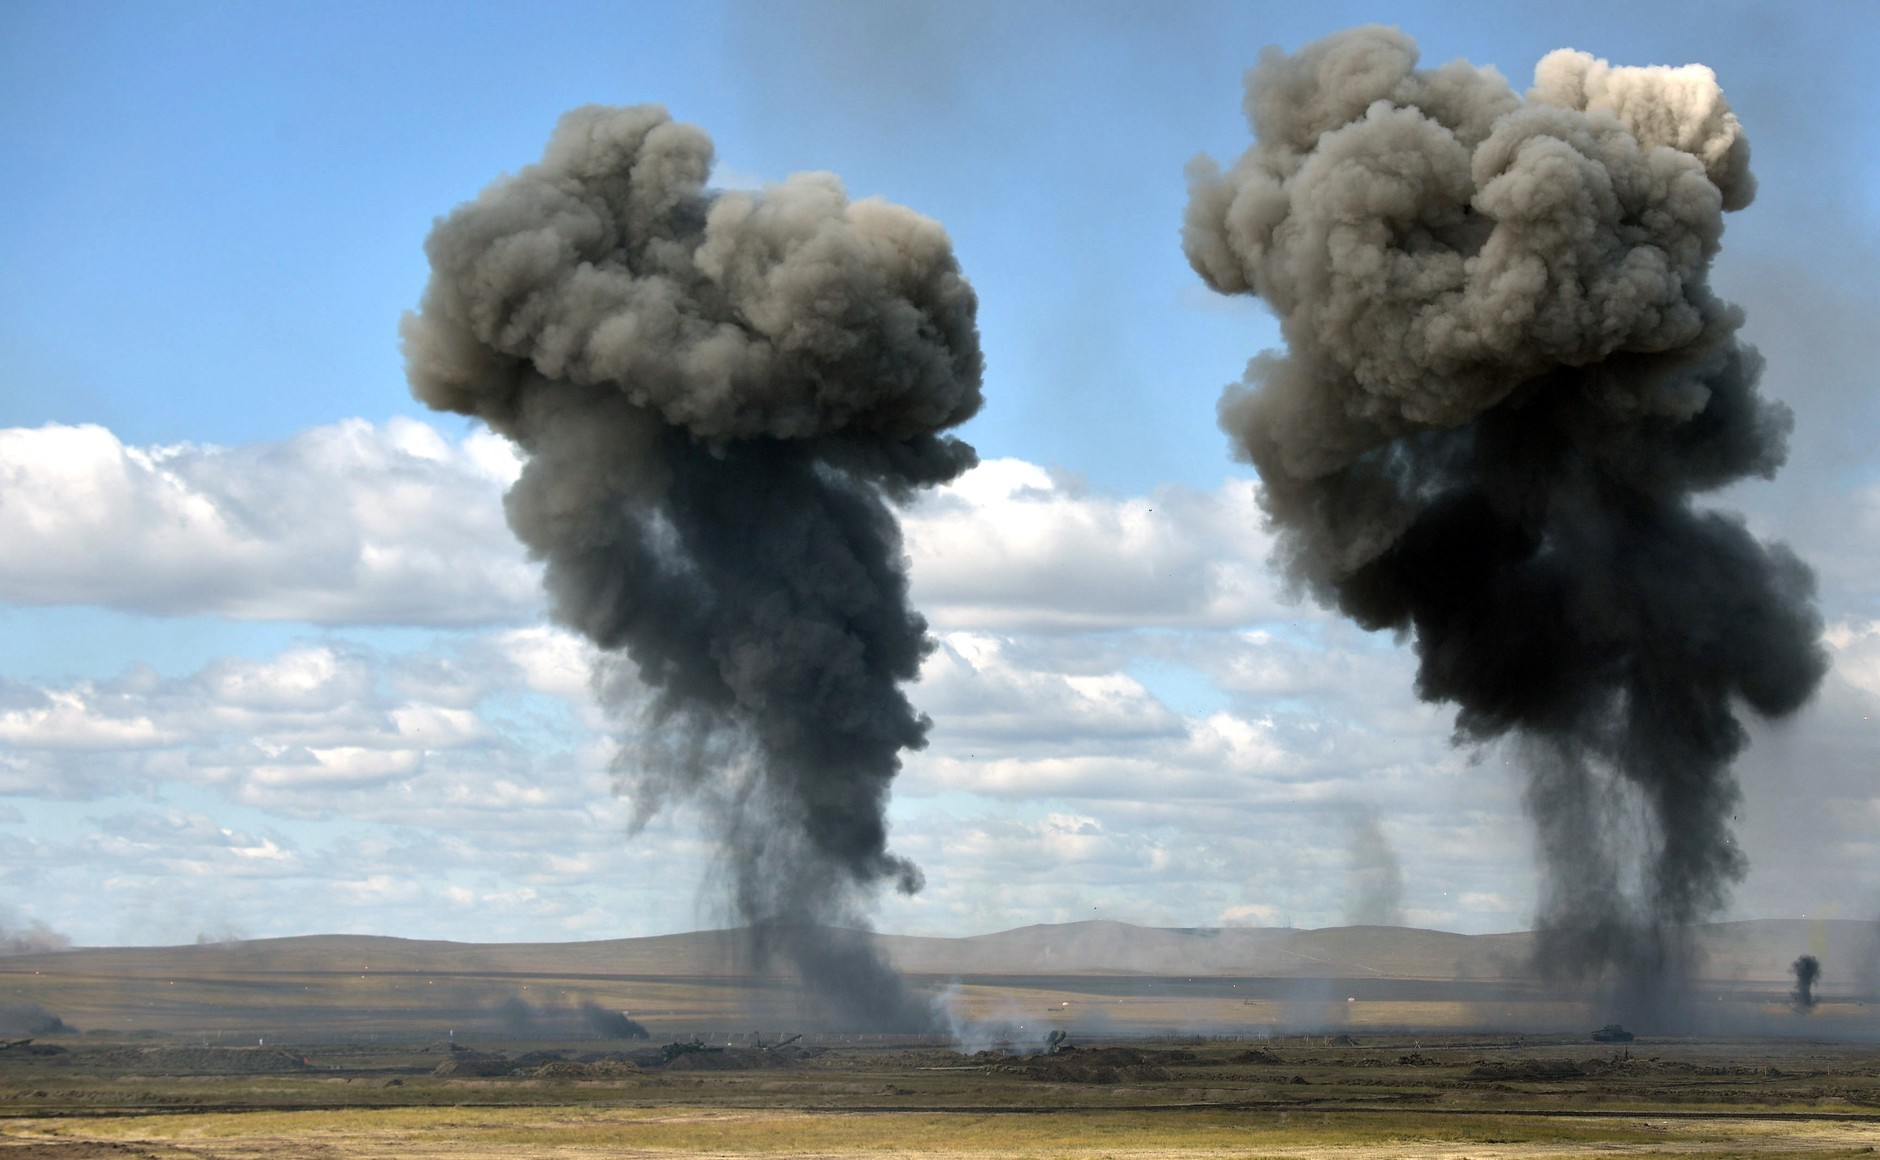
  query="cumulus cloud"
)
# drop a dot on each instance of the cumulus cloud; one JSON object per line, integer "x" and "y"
{"x": 461, "y": 789}
{"x": 982, "y": 695}
{"x": 1012, "y": 547}
{"x": 475, "y": 775}
{"x": 332, "y": 786}
{"x": 307, "y": 730}
{"x": 345, "y": 524}
{"x": 461, "y": 792}
{"x": 1856, "y": 648}
{"x": 356, "y": 523}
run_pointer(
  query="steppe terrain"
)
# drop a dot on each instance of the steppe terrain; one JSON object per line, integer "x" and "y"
{"x": 1354, "y": 1042}
{"x": 1305, "y": 1097}
{"x": 1091, "y": 978}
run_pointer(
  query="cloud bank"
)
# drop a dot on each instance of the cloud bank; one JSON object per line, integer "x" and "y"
{"x": 459, "y": 787}
{"x": 345, "y": 524}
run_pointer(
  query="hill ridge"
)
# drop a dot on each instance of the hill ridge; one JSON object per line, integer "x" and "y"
{"x": 1747, "y": 949}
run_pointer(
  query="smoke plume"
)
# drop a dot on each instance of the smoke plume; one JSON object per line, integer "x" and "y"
{"x": 31, "y": 1019}
{"x": 1807, "y": 972}
{"x": 1374, "y": 878}
{"x": 1505, "y": 379}
{"x": 521, "y": 1018}
{"x": 34, "y": 938}
{"x": 611, "y": 1024}
{"x": 720, "y": 396}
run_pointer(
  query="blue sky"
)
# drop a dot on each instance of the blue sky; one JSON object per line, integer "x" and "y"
{"x": 212, "y": 219}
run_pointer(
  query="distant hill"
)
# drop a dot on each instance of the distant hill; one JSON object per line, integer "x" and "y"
{"x": 1111, "y": 972}
{"x": 1757, "y": 951}
{"x": 1754, "y": 951}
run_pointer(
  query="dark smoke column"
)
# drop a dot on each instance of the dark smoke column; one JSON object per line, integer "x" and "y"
{"x": 1807, "y": 972}
{"x": 1505, "y": 379}
{"x": 720, "y": 394}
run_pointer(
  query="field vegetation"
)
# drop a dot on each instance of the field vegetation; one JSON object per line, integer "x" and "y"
{"x": 1180, "y": 1043}
{"x": 1440, "y": 1096}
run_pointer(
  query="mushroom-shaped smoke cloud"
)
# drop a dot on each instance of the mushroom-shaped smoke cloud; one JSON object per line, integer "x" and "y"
{"x": 1505, "y": 378}
{"x": 720, "y": 394}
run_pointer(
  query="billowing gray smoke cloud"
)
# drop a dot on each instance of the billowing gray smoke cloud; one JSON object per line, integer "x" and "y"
{"x": 720, "y": 394}
{"x": 1505, "y": 379}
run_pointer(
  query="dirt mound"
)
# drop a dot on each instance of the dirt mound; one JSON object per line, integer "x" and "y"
{"x": 1103, "y": 1065}
{"x": 475, "y": 1064}
{"x": 1630, "y": 1065}
{"x": 602, "y": 1069}
{"x": 196, "y": 1060}
{"x": 1541, "y": 1070}
{"x": 1257, "y": 1055}
{"x": 1529, "y": 1070}
{"x": 1418, "y": 1059}
{"x": 731, "y": 1059}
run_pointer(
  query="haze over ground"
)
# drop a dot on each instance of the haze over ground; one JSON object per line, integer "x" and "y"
{"x": 275, "y": 665}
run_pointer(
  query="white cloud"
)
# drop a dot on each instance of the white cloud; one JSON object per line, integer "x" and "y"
{"x": 981, "y": 695}
{"x": 62, "y": 719}
{"x": 1854, "y": 646}
{"x": 382, "y": 790}
{"x": 346, "y": 524}
{"x": 1070, "y": 771}
{"x": 1011, "y": 547}
{"x": 334, "y": 787}
{"x": 356, "y": 523}
{"x": 294, "y": 732}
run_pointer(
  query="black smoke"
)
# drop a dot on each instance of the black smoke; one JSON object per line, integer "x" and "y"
{"x": 31, "y": 1019}
{"x": 1807, "y": 972}
{"x": 1506, "y": 381}
{"x": 523, "y": 1019}
{"x": 721, "y": 396}
{"x": 611, "y": 1024}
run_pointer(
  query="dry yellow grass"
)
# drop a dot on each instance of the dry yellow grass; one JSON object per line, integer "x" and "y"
{"x": 573, "y": 1134}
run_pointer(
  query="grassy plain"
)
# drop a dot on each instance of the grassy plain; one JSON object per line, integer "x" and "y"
{"x": 330, "y": 1047}
{"x": 1304, "y": 1097}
